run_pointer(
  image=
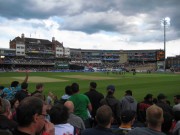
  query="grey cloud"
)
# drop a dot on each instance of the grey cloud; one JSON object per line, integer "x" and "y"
{"x": 99, "y": 15}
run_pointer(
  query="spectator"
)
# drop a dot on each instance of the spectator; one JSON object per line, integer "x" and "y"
{"x": 177, "y": 99}
{"x": 104, "y": 118}
{"x": 162, "y": 103}
{"x": 176, "y": 128}
{"x": 31, "y": 118}
{"x": 154, "y": 119}
{"x": 166, "y": 125}
{"x": 39, "y": 89}
{"x": 81, "y": 104}
{"x": 5, "y": 115}
{"x": 67, "y": 95}
{"x": 9, "y": 93}
{"x": 50, "y": 99}
{"x": 94, "y": 97}
{"x": 113, "y": 103}
{"x": 74, "y": 119}
{"x": 128, "y": 102}
{"x": 127, "y": 120}
{"x": 14, "y": 105}
{"x": 59, "y": 116}
{"x": 142, "y": 106}
{"x": 23, "y": 93}
{"x": 177, "y": 103}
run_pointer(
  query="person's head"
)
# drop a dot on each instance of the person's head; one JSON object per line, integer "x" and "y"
{"x": 5, "y": 107}
{"x": 14, "y": 84}
{"x": 154, "y": 116}
{"x": 1, "y": 88}
{"x": 155, "y": 100}
{"x": 177, "y": 99}
{"x": 148, "y": 98}
{"x": 128, "y": 93}
{"x": 75, "y": 87}
{"x": 31, "y": 112}
{"x": 39, "y": 87}
{"x": 70, "y": 106}
{"x": 93, "y": 85}
{"x": 104, "y": 116}
{"x": 14, "y": 103}
{"x": 59, "y": 114}
{"x": 110, "y": 89}
{"x": 24, "y": 86}
{"x": 161, "y": 97}
{"x": 68, "y": 90}
{"x": 128, "y": 117}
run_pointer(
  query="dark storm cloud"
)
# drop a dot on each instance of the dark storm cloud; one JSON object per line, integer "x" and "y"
{"x": 13, "y": 9}
{"x": 101, "y": 15}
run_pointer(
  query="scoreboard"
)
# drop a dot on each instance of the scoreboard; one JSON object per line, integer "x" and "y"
{"x": 160, "y": 55}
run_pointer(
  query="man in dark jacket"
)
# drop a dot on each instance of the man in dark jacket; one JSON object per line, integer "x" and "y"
{"x": 94, "y": 97}
{"x": 23, "y": 93}
{"x": 162, "y": 103}
{"x": 113, "y": 103}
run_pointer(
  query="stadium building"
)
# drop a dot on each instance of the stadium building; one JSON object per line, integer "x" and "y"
{"x": 173, "y": 63}
{"x": 44, "y": 55}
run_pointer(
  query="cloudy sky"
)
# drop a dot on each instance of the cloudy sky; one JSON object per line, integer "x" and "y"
{"x": 93, "y": 24}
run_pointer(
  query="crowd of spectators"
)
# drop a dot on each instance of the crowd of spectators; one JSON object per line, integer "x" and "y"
{"x": 90, "y": 113}
{"x": 39, "y": 48}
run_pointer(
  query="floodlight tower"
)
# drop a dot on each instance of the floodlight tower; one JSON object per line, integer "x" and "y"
{"x": 165, "y": 23}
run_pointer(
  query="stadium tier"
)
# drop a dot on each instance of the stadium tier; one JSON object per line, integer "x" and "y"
{"x": 44, "y": 55}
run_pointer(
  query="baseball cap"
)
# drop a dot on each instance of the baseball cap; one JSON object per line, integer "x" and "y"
{"x": 111, "y": 88}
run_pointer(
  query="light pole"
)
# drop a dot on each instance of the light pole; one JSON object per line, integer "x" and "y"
{"x": 165, "y": 23}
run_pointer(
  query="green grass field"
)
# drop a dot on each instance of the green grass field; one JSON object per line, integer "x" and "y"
{"x": 140, "y": 84}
